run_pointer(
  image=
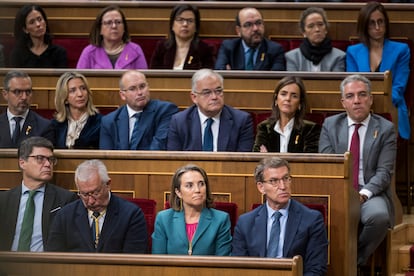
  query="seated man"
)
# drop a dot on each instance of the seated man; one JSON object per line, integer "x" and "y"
{"x": 19, "y": 122}
{"x": 209, "y": 124}
{"x": 99, "y": 221}
{"x": 281, "y": 227}
{"x": 141, "y": 124}
{"x": 251, "y": 51}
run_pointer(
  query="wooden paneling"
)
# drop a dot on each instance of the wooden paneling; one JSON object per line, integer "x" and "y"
{"x": 147, "y": 174}
{"x": 69, "y": 264}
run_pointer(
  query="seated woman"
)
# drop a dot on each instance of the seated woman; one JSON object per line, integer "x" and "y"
{"x": 77, "y": 121}
{"x": 34, "y": 48}
{"x": 110, "y": 46}
{"x": 286, "y": 130}
{"x": 315, "y": 53}
{"x": 191, "y": 226}
{"x": 183, "y": 49}
{"x": 377, "y": 53}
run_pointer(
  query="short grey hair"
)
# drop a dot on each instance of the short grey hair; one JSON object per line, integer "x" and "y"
{"x": 269, "y": 162}
{"x": 354, "y": 78}
{"x": 85, "y": 169}
{"x": 14, "y": 74}
{"x": 202, "y": 74}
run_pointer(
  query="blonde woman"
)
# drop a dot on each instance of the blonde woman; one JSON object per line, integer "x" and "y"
{"x": 77, "y": 121}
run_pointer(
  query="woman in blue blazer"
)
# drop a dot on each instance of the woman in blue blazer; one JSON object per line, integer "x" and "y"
{"x": 376, "y": 53}
{"x": 77, "y": 121}
{"x": 191, "y": 226}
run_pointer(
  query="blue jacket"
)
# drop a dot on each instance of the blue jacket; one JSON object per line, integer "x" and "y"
{"x": 153, "y": 127}
{"x": 88, "y": 138}
{"x": 212, "y": 237}
{"x": 305, "y": 236}
{"x": 124, "y": 229}
{"x": 270, "y": 56}
{"x": 395, "y": 58}
{"x": 235, "y": 131}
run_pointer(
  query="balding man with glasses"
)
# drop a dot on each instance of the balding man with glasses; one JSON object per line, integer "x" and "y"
{"x": 209, "y": 124}
{"x": 28, "y": 210}
{"x": 19, "y": 122}
{"x": 251, "y": 51}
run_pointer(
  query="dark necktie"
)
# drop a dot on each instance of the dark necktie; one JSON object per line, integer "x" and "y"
{"x": 355, "y": 151}
{"x": 27, "y": 224}
{"x": 274, "y": 236}
{"x": 208, "y": 136}
{"x": 133, "y": 143}
{"x": 250, "y": 55}
{"x": 95, "y": 227}
{"x": 16, "y": 132}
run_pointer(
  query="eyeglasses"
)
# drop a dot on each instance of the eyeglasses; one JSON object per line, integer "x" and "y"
{"x": 109, "y": 23}
{"x": 41, "y": 159}
{"x": 134, "y": 88}
{"x": 94, "y": 194}
{"x": 182, "y": 20}
{"x": 376, "y": 23}
{"x": 275, "y": 182}
{"x": 249, "y": 25}
{"x": 208, "y": 92}
{"x": 19, "y": 92}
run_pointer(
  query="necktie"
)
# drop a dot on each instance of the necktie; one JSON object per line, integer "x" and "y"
{"x": 208, "y": 136}
{"x": 27, "y": 224}
{"x": 274, "y": 236}
{"x": 16, "y": 132}
{"x": 95, "y": 227}
{"x": 133, "y": 143}
{"x": 249, "y": 63}
{"x": 354, "y": 149}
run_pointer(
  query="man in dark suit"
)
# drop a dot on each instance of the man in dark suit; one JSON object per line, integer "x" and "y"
{"x": 231, "y": 129}
{"x": 36, "y": 162}
{"x": 375, "y": 163}
{"x": 141, "y": 124}
{"x": 17, "y": 91}
{"x": 252, "y": 51}
{"x": 301, "y": 230}
{"x": 99, "y": 221}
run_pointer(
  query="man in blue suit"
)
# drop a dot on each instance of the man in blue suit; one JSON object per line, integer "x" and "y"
{"x": 141, "y": 124}
{"x": 231, "y": 129}
{"x": 251, "y": 51}
{"x": 17, "y": 91}
{"x": 301, "y": 231}
{"x": 99, "y": 221}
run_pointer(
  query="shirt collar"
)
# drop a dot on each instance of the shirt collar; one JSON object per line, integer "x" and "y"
{"x": 364, "y": 122}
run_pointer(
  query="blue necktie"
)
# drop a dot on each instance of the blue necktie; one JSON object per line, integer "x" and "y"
{"x": 274, "y": 236}
{"x": 16, "y": 132}
{"x": 27, "y": 224}
{"x": 249, "y": 63}
{"x": 208, "y": 136}
{"x": 133, "y": 143}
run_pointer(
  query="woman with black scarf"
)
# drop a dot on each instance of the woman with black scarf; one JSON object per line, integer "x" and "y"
{"x": 315, "y": 53}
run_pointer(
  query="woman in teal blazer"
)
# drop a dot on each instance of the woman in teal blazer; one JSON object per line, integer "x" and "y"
{"x": 376, "y": 53}
{"x": 191, "y": 226}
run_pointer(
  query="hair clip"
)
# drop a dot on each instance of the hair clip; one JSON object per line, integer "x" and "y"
{"x": 190, "y": 59}
{"x": 29, "y": 128}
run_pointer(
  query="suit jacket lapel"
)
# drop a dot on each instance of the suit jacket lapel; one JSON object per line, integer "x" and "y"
{"x": 82, "y": 223}
{"x": 5, "y": 139}
{"x": 292, "y": 225}
{"x": 147, "y": 117}
{"x": 226, "y": 124}
{"x": 261, "y": 232}
{"x": 203, "y": 224}
{"x": 370, "y": 140}
{"x": 261, "y": 55}
{"x": 342, "y": 129}
{"x": 48, "y": 203}
{"x": 178, "y": 225}
{"x": 122, "y": 121}
{"x": 110, "y": 222}
{"x": 194, "y": 122}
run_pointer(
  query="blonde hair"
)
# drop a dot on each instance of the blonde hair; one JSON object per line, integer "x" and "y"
{"x": 61, "y": 95}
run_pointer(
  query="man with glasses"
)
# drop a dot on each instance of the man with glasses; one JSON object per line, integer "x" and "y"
{"x": 142, "y": 123}
{"x": 251, "y": 51}
{"x": 99, "y": 221}
{"x": 209, "y": 124}
{"x": 19, "y": 122}
{"x": 281, "y": 227}
{"x": 27, "y": 210}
